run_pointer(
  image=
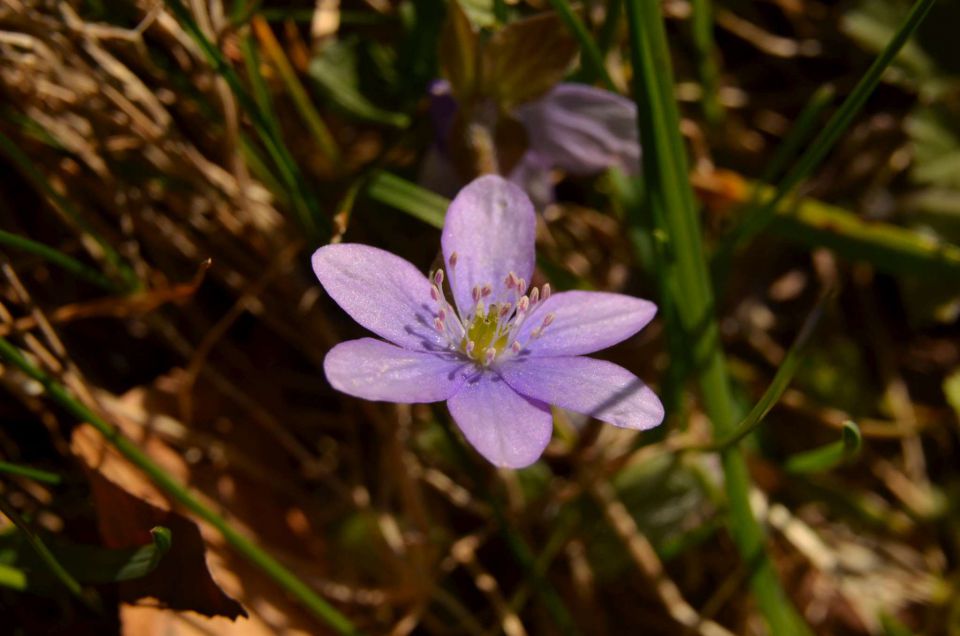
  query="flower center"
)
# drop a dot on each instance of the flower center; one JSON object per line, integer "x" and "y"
{"x": 488, "y": 331}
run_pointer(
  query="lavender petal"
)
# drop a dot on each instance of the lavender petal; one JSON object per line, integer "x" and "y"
{"x": 508, "y": 429}
{"x": 584, "y": 130}
{"x": 596, "y": 388}
{"x": 381, "y": 291}
{"x": 583, "y": 322}
{"x": 490, "y": 227}
{"x": 376, "y": 370}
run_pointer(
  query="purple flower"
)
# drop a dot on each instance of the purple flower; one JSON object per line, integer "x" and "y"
{"x": 577, "y": 128}
{"x": 501, "y": 352}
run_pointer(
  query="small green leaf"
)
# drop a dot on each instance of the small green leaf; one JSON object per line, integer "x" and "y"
{"x": 88, "y": 564}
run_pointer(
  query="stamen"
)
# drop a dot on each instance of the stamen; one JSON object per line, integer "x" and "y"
{"x": 452, "y": 260}
{"x": 521, "y": 286}
{"x": 475, "y": 293}
{"x": 523, "y": 304}
{"x": 479, "y": 311}
{"x": 438, "y": 324}
{"x": 515, "y": 347}
{"x": 486, "y": 290}
{"x": 489, "y": 355}
{"x": 435, "y": 293}
{"x": 548, "y": 319}
{"x": 505, "y": 309}
{"x": 471, "y": 345}
{"x": 438, "y": 278}
{"x": 536, "y": 333}
{"x": 534, "y": 296}
{"x": 546, "y": 291}
{"x": 442, "y": 314}
{"x": 510, "y": 281}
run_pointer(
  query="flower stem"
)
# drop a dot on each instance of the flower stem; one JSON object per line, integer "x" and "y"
{"x": 670, "y": 198}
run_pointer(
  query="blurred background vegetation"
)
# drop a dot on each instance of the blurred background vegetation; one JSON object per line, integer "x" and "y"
{"x": 166, "y": 168}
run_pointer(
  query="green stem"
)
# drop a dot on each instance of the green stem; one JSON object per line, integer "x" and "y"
{"x": 588, "y": 48}
{"x": 671, "y": 200}
{"x": 247, "y": 548}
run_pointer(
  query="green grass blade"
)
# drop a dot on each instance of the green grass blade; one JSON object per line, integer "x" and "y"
{"x": 301, "y": 100}
{"x": 39, "y": 181}
{"x": 129, "y": 449}
{"x": 35, "y": 474}
{"x": 418, "y": 202}
{"x": 702, "y": 26}
{"x": 829, "y": 456}
{"x": 56, "y": 257}
{"x": 836, "y": 126}
{"x": 306, "y": 205}
{"x": 889, "y": 248}
{"x": 778, "y": 385}
{"x": 671, "y": 201}
{"x": 588, "y": 48}
{"x": 86, "y": 596}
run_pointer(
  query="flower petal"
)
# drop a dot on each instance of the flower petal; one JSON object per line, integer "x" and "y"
{"x": 376, "y": 370}
{"x": 584, "y": 322}
{"x": 584, "y": 130}
{"x": 508, "y": 429}
{"x": 381, "y": 291}
{"x": 596, "y": 388}
{"x": 490, "y": 226}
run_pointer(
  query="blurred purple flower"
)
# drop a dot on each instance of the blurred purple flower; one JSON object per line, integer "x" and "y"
{"x": 500, "y": 353}
{"x": 577, "y": 128}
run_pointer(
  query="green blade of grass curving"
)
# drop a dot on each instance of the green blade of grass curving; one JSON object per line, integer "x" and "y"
{"x": 824, "y": 142}
{"x": 670, "y": 199}
{"x": 130, "y": 450}
{"x": 830, "y": 455}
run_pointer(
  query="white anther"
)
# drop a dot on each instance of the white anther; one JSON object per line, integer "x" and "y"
{"x": 438, "y": 277}
{"x": 521, "y": 286}
{"x": 534, "y": 296}
{"x": 546, "y": 291}
{"x": 435, "y": 293}
{"x": 489, "y": 355}
{"x": 523, "y": 304}
{"x": 515, "y": 347}
{"x": 438, "y": 323}
{"x": 510, "y": 281}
